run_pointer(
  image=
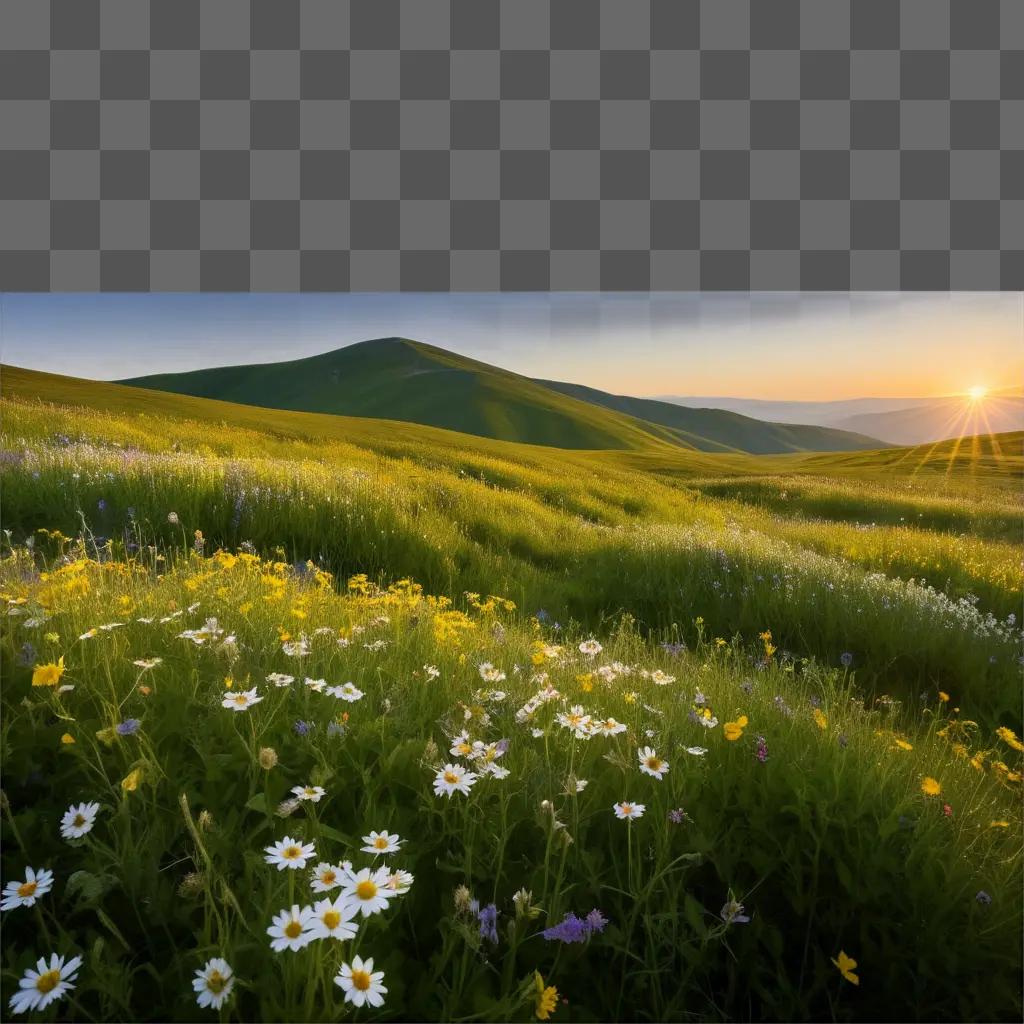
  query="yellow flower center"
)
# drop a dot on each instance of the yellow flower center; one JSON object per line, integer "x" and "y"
{"x": 291, "y": 853}
{"x": 366, "y": 890}
{"x": 79, "y": 821}
{"x": 360, "y": 980}
{"x": 465, "y": 748}
{"x": 381, "y": 843}
{"x": 26, "y": 889}
{"x": 328, "y": 878}
{"x": 241, "y": 700}
{"x": 654, "y": 763}
{"x": 216, "y": 982}
{"x": 293, "y": 929}
{"x": 331, "y": 919}
{"x": 627, "y": 808}
{"x": 48, "y": 982}
{"x": 451, "y": 778}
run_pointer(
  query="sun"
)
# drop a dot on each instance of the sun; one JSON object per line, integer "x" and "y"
{"x": 977, "y": 393}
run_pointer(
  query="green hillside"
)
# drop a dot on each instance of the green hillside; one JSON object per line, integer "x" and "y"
{"x": 730, "y": 429}
{"x": 393, "y": 378}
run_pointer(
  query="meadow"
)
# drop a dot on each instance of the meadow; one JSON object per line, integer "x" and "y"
{"x": 732, "y": 722}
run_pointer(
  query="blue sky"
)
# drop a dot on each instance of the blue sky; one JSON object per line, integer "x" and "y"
{"x": 765, "y": 345}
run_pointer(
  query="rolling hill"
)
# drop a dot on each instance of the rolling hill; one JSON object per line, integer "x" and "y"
{"x": 395, "y": 378}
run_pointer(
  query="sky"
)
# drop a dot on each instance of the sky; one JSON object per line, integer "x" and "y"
{"x": 770, "y": 345}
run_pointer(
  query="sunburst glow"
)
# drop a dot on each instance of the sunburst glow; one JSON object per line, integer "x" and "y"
{"x": 977, "y": 393}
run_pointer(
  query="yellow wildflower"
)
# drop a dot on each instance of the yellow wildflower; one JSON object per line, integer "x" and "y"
{"x": 998, "y": 824}
{"x": 930, "y": 786}
{"x": 67, "y": 739}
{"x": 1009, "y": 737}
{"x": 545, "y": 998}
{"x": 131, "y": 781}
{"x": 943, "y": 696}
{"x": 48, "y": 674}
{"x": 902, "y": 744}
{"x": 819, "y": 719}
{"x": 846, "y": 964}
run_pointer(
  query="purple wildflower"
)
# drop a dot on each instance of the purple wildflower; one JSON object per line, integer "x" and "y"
{"x": 595, "y": 921}
{"x": 302, "y": 728}
{"x": 846, "y": 659}
{"x": 500, "y": 747}
{"x": 983, "y": 897}
{"x": 101, "y": 505}
{"x": 732, "y": 913}
{"x": 677, "y": 816}
{"x": 488, "y": 918}
{"x": 781, "y": 705}
{"x": 747, "y": 686}
{"x": 542, "y": 615}
{"x": 675, "y": 649}
{"x": 572, "y": 929}
{"x": 128, "y": 727}
{"x": 762, "y": 749}
{"x": 815, "y": 701}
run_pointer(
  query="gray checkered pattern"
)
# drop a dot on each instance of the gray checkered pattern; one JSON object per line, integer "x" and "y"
{"x": 511, "y": 144}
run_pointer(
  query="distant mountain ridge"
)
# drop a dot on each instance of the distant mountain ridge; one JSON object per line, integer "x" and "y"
{"x": 401, "y": 379}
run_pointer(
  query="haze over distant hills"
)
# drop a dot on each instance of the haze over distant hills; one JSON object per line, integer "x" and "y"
{"x": 396, "y": 378}
{"x": 897, "y": 421}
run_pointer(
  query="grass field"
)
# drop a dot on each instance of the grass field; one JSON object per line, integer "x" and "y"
{"x": 823, "y": 648}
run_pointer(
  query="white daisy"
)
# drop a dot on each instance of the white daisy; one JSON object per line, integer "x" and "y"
{"x": 660, "y": 678}
{"x": 316, "y": 685}
{"x": 590, "y": 648}
{"x": 78, "y": 819}
{"x": 381, "y": 842}
{"x": 311, "y": 793}
{"x": 24, "y": 894}
{"x": 329, "y": 876}
{"x": 577, "y": 721}
{"x": 696, "y": 751}
{"x": 296, "y": 648}
{"x": 609, "y": 727}
{"x": 289, "y": 853}
{"x": 279, "y": 679}
{"x": 581, "y": 784}
{"x": 650, "y": 763}
{"x": 497, "y": 771}
{"x": 399, "y": 881}
{"x": 360, "y": 983}
{"x": 366, "y": 892}
{"x": 462, "y": 745}
{"x": 431, "y": 671}
{"x": 628, "y": 810}
{"x": 332, "y": 920}
{"x": 88, "y": 635}
{"x": 453, "y": 777}
{"x": 147, "y": 663}
{"x": 46, "y": 984}
{"x": 291, "y": 929}
{"x": 347, "y": 691}
{"x": 213, "y": 984}
{"x": 490, "y": 674}
{"x": 240, "y": 701}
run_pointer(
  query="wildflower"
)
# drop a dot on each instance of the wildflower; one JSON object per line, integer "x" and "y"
{"x": 347, "y": 692}
{"x": 523, "y": 902}
{"x": 267, "y": 758}
{"x": 846, "y": 659}
{"x": 983, "y": 898}
{"x": 311, "y": 793}
{"x": 595, "y": 921}
{"x": 360, "y": 983}
{"x": 461, "y": 746}
{"x": 1009, "y": 737}
{"x": 147, "y": 663}
{"x": 651, "y": 764}
{"x": 48, "y": 674}
{"x": 46, "y": 984}
{"x": 732, "y": 912}
{"x": 696, "y": 751}
{"x": 999, "y": 824}
{"x": 317, "y": 685}
{"x": 128, "y": 727}
{"x": 302, "y": 728}
{"x": 328, "y": 876}
{"x": 845, "y": 965}
{"x": 677, "y": 816}
{"x": 488, "y": 918}
{"x": 590, "y": 648}
{"x": 289, "y": 853}
{"x": 626, "y": 810}
{"x": 570, "y": 929}
{"x": 24, "y": 894}
{"x": 279, "y": 679}
{"x": 452, "y": 778}
{"x": 902, "y": 744}
{"x": 490, "y": 674}
{"x": 947, "y": 810}
{"x": 762, "y": 749}
{"x": 734, "y": 730}
{"x": 366, "y": 892}
{"x": 660, "y": 678}
{"x": 78, "y": 820}
{"x": 213, "y": 984}
{"x": 131, "y": 781}
{"x": 172, "y": 518}
{"x": 930, "y": 786}
{"x": 819, "y": 719}
{"x": 331, "y": 920}
{"x": 399, "y": 882}
{"x": 241, "y": 701}
{"x": 609, "y": 727}
{"x": 381, "y": 842}
{"x": 545, "y": 999}
{"x": 943, "y": 697}
{"x": 291, "y": 929}
{"x": 67, "y": 739}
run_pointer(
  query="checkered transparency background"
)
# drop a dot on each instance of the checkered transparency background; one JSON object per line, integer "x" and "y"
{"x": 511, "y": 144}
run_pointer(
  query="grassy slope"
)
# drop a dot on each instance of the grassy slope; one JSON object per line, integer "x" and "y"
{"x": 397, "y": 378}
{"x": 757, "y": 437}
